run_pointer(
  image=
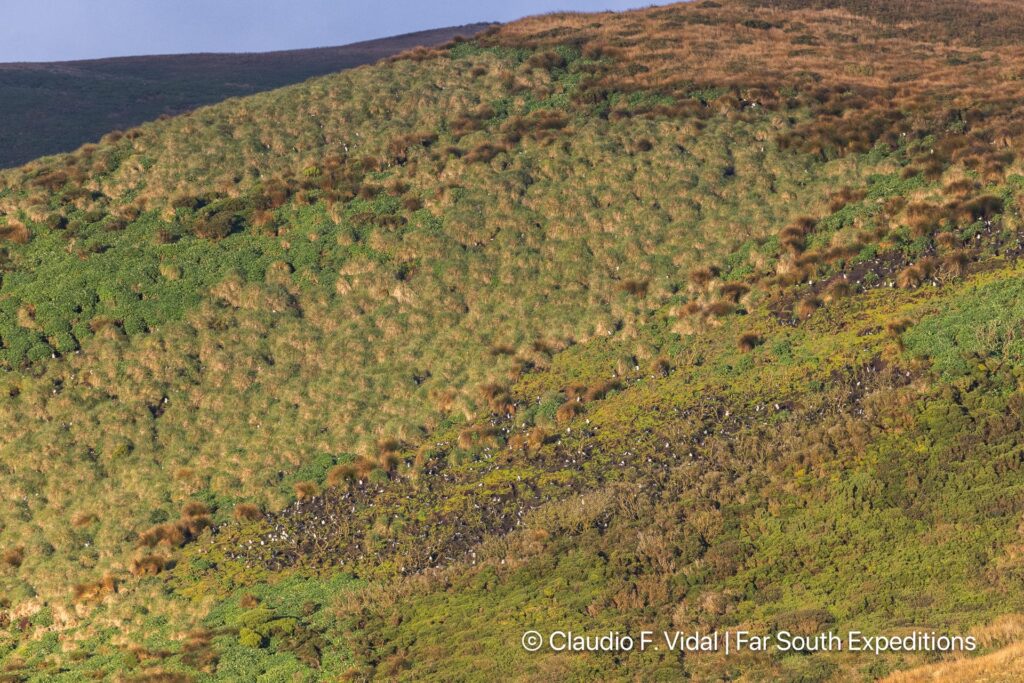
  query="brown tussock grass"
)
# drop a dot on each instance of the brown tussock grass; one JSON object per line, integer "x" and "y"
{"x": 792, "y": 239}
{"x": 14, "y": 232}
{"x": 13, "y": 557}
{"x": 600, "y": 389}
{"x": 94, "y": 591}
{"x": 947, "y": 240}
{"x": 748, "y": 342}
{"x": 955, "y": 263}
{"x": 342, "y": 475}
{"x": 719, "y": 309}
{"x": 1005, "y": 665}
{"x": 842, "y": 252}
{"x": 148, "y": 565}
{"x": 838, "y": 289}
{"x": 895, "y": 328}
{"x": 701, "y": 277}
{"x": 305, "y": 490}
{"x": 637, "y": 288}
{"x": 568, "y": 411}
{"x": 806, "y": 307}
{"x": 537, "y": 438}
{"x": 194, "y": 519}
{"x": 910, "y": 277}
{"x": 247, "y": 512}
{"x": 733, "y": 292}
{"x": 83, "y": 519}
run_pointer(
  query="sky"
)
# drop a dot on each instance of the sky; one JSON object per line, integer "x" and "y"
{"x": 54, "y": 30}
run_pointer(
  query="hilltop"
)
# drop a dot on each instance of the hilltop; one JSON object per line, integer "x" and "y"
{"x": 51, "y": 107}
{"x": 694, "y": 317}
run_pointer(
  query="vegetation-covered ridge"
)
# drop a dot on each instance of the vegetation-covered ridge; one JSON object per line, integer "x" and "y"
{"x": 694, "y": 317}
{"x": 52, "y": 107}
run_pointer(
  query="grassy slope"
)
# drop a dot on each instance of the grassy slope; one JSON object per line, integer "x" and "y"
{"x": 55, "y": 107}
{"x": 473, "y": 278}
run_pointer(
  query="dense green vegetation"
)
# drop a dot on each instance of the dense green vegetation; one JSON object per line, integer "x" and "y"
{"x": 364, "y": 377}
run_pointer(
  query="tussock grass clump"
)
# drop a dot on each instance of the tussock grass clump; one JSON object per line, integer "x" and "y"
{"x": 388, "y": 446}
{"x": 538, "y": 437}
{"x": 842, "y": 252}
{"x": 792, "y": 238}
{"x": 947, "y": 240}
{"x": 13, "y": 557}
{"x": 169, "y": 534}
{"x": 517, "y": 443}
{"x": 149, "y": 565}
{"x": 691, "y": 308}
{"x": 568, "y": 411}
{"x": 479, "y": 436}
{"x": 217, "y": 225}
{"x": 982, "y": 208}
{"x": 546, "y": 59}
{"x": 14, "y": 232}
{"x": 955, "y": 263}
{"x": 719, "y": 309}
{"x": 389, "y": 462}
{"x": 247, "y": 512}
{"x": 806, "y": 307}
{"x": 342, "y": 475}
{"x": 701, "y": 277}
{"x": 600, "y": 389}
{"x": 733, "y": 291}
{"x": 748, "y": 342}
{"x": 575, "y": 391}
{"x": 484, "y": 153}
{"x": 810, "y": 260}
{"x": 80, "y": 520}
{"x": 537, "y": 125}
{"x": 500, "y": 349}
{"x": 910, "y": 277}
{"x": 894, "y": 328}
{"x": 923, "y": 218}
{"x": 195, "y": 517}
{"x": 914, "y": 275}
{"x": 399, "y": 148}
{"x": 304, "y": 490}
{"x": 369, "y": 191}
{"x": 961, "y": 189}
{"x": 837, "y": 289}
{"x": 637, "y": 288}
{"x": 95, "y": 591}
{"x": 844, "y": 196}
{"x": 194, "y": 509}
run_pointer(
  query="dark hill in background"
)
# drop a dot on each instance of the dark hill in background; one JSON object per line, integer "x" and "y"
{"x": 53, "y": 107}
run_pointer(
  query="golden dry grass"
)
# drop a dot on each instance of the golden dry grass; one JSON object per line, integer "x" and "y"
{"x": 1005, "y": 665}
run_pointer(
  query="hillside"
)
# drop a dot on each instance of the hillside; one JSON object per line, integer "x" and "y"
{"x": 52, "y": 107}
{"x": 696, "y": 317}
